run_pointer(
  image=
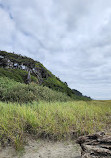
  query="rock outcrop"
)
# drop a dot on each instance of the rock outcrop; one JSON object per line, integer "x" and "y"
{"x": 40, "y": 72}
{"x": 95, "y": 146}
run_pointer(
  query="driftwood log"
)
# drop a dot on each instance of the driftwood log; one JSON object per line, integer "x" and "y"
{"x": 95, "y": 146}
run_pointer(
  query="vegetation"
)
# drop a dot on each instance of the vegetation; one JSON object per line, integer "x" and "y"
{"x": 48, "y": 110}
{"x": 53, "y": 120}
{"x": 13, "y": 91}
{"x": 45, "y": 76}
{"x": 17, "y": 75}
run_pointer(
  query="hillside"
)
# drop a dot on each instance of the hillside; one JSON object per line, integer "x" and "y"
{"x": 26, "y": 70}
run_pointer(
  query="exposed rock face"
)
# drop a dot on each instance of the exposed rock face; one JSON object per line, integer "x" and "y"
{"x": 39, "y": 73}
{"x": 28, "y": 78}
{"x": 95, "y": 146}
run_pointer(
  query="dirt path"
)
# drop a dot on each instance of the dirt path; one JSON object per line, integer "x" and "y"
{"x": 44, "y": 149}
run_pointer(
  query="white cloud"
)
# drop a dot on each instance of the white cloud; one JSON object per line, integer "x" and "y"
{"x": 70, "y": 37}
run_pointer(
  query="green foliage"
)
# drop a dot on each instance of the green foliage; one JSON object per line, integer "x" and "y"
{"x": 13, "y": 91}
{"x": 17, "y": 75}
{"x": 47, "y": 94}
{"x": 3, "y": 62}
{"x": 15, "y": 58}
{"x": 54, "y": 120}
{"x": 56, "y": 84}
{"x": 48, "y": 78}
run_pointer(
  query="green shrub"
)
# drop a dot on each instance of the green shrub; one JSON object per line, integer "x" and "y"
{"x": 56, "y": 84}
{"x": 17, "y": 75}
{"x": 19, "y": 93}
{"x": 13, "y": 91}
{"x": 48, "y": 78}
{"x": 47, "y": 94}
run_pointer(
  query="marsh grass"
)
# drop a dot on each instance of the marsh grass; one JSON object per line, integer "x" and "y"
{"x": 52, "y": 120}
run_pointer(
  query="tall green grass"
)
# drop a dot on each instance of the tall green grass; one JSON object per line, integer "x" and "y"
{"x": 53, "y": 120}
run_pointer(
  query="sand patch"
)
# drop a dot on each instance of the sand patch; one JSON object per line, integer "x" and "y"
{"x": 43, "y": 149}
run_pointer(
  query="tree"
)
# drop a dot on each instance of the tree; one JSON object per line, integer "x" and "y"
{"x": 3, "y": 62}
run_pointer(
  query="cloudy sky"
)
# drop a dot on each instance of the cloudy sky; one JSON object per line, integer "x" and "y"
{"x": 72, "y": 38}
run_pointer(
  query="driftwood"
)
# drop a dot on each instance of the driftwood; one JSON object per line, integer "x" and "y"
{"x": 95, "y": 146}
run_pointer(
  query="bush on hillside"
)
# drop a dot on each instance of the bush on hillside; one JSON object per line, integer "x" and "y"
{"x": 46, "y": 78}
{"x": 47, "y": 94}
{"x": 13, "y": 91}
{"x": 19, "y": 93}
{"x": 17, "y": 75}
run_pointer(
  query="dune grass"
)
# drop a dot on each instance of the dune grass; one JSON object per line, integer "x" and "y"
{"x": 52, "y": 120}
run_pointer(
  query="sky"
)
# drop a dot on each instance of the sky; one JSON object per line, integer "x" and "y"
{"x": 72, "y": 38}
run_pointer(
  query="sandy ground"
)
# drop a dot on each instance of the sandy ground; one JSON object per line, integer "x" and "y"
{"x": 43, "y": 149}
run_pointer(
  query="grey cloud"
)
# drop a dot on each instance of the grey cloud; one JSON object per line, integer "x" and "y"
{"x": 70, "y": 37}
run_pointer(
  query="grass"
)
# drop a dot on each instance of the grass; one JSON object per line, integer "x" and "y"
{"x": 53, "y": 120}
